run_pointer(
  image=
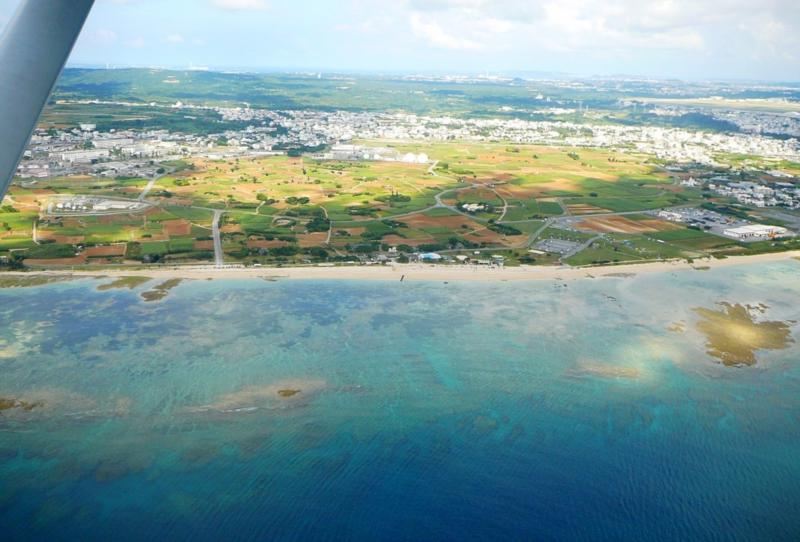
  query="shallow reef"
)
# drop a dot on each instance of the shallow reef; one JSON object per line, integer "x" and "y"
{"x": 733, "y": 335}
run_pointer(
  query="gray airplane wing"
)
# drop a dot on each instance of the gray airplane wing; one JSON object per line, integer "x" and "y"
{"x": 33, "y": 50}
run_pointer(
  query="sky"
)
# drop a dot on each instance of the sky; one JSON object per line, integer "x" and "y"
{"x": 688, "y": 39}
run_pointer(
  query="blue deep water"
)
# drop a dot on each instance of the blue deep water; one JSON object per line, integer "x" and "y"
{"x": 344, "y": 410}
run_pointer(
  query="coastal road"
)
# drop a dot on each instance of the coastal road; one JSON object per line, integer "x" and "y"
{"x": 219, "y": 260}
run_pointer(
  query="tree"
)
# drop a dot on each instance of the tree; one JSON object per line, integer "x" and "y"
{"x": 265, "y": 198}
{"x": 318, "y": 224}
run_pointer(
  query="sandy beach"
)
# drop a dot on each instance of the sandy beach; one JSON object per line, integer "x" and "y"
{"x": 418, "y": 272}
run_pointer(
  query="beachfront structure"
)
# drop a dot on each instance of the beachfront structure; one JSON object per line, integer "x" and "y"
{"x": 430, "y": 257}
{"x": 756, "y": 232}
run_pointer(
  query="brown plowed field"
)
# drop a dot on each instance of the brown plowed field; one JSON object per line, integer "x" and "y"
{"x": 583, "y": 209}
{"x": 105, "y": 252}
{"x": 262, "y": 243}
{"x": 177, "y": 228}
{"x": 621, "y": 224}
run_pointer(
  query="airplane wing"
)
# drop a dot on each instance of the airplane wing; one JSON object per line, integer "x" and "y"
{"x": 33, "y": 50}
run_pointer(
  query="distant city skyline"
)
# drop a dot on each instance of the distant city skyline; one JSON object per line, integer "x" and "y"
{"x": 717, "y": 39}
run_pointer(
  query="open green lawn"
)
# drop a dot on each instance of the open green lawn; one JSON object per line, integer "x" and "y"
{"x": 602, "y": 252}
{"x": 693, "y": 239}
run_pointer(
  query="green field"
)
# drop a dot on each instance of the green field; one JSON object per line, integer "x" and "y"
{"x": 282, "y": 209}
{"x": 504, "y": 99}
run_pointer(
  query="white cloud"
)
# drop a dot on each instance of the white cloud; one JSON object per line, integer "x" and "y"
{"x": 573, "y": 26}
{"x": 136, "y": 43}
{"x": 240, "y": 5}
{"x": 436, "y": 35}
{"x": 105, "y": 35}
{"x": 741, "y": 38}
{"x": 601, "y": 25}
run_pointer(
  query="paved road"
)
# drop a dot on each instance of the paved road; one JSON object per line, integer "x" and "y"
{"x": 535, "y": 235}
{"x": 147, "y": 188}
{"x": 330, "y": 232}
{"x": 219, "y": 260}
{"x": 152, "y": 183}
{"x": 580, "y": 248}
{"x": 330, "y": 229}
{"x": 505, "y": 206}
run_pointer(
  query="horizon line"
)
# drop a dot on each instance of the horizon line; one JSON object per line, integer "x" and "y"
{"x": 512, "y": 74}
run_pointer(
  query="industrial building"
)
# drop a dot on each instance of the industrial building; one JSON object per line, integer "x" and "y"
{"x": 756, "y": 232}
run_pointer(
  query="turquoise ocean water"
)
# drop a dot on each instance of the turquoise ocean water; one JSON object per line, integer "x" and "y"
{"x": 342, "y": 410}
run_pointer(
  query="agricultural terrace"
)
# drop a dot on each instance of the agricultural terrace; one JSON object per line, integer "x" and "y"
{"x": 277, "y": 184}
{"x": 539, "y": 181}
{"x": 493, "y": 197}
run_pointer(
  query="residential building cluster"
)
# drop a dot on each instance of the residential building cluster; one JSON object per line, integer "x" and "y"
{"x": 724, "y": 226}
{"x": 757, "y": 194}
{"x": 86, "y": 150}
{"x": 750, "y": 122}
{"x": 371, "y": 154}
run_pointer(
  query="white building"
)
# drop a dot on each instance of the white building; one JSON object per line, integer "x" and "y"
{"x": 411, "y": 158}
{"x": 672, "y": 216}
{"x": 84, "y": 156}
{"x": 756, "y": 232}
{"x": 691, "y": 182}
{"x": 114, "y": 143}
{"x": 473, "y": 207}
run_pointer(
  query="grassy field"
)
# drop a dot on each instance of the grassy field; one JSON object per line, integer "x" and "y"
{"x": 279, "y": 184}
{"x": 774, "y": 106}
{"x": 532, "y": 178}
{"x": 280, "y": 209}
{"x": 510, "y": 99}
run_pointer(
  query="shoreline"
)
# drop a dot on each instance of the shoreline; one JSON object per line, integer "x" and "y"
{"x": 416, "y": 272}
